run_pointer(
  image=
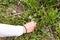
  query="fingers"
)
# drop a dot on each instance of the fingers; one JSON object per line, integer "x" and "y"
{"x": 33, "y": 23}
{"x": 30, "y": 26}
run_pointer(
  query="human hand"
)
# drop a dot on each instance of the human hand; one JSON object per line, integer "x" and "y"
{"x": 30, "y": 26}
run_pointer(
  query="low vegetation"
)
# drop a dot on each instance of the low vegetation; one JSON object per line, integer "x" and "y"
{"x": 45, "y": 12}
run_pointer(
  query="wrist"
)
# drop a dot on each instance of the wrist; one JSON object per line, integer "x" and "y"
{"x": 24, "y": 30}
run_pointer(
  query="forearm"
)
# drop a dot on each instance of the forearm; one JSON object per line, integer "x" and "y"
{"x": 10, "y": 30}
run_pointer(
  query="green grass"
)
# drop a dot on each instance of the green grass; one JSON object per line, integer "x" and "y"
{"x": 42, "y": 11}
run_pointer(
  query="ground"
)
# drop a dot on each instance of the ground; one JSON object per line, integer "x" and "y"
{"x": 45, "y": 12}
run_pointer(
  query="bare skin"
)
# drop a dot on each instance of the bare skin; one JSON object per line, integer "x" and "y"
{"x": 29, "y": 26}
